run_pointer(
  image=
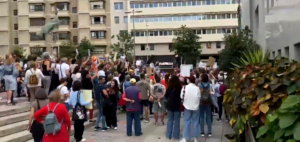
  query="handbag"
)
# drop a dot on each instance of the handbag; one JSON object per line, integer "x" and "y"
{"x": 181, "y": 105}
{"x": 79, "y": 111}
{"x": 37, "y": 129}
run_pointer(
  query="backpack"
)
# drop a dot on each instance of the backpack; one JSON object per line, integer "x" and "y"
{"x": 222, "y": 89}
{"x": 79, "y": 111}
{"x": 51, "y": 125}
{"x": 33, "y": 79}
{"x": 205, "y": 95}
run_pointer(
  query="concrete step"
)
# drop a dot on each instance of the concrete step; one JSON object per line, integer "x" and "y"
{"x": 18, "y": 100}
{"x": 10, "y": 119}
{"x": 24, "y": 135}
{"x": 10, "y": 110}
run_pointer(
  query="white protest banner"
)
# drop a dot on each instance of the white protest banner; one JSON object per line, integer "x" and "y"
{"x": 185, "y": 70}
{"x": 89, "y": 52}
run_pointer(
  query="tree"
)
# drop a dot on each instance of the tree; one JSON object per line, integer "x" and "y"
{"x": 83, "y": 48}
{"x": 235, "y": 45}
{"x": 19, "y": 52}
{"x": 186, "y": 44}
{"x": 67, "y": 49}
{"x": 124, "y": 46}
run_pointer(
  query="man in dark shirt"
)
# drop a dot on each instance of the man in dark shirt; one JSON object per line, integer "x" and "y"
{"x": 100, "y": 92}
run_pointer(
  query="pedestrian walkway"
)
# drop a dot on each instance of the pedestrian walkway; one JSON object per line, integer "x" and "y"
{"x": 152, "y": 133}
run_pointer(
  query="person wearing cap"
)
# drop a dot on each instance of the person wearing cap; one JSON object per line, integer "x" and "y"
{"x": 132, "y": 96}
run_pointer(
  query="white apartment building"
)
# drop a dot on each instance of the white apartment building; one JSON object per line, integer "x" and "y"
{"x": 275, "y": 25}
{"x": 210, "y": 19}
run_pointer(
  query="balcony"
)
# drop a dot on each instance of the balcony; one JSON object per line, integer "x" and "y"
{"x": 62, "y": 8}
{"x": 65, "y": 24}
{"x": 98, "y": 23}
{"x": 36, "y": 10}
{"x": 36, "y": 24}
{"x": 98, "y": 37}
{"x": 97, "y": 7}
{"x": 61, "y": 37}
{"x": 36, "y": 40}
{"x": 36, "y": 1}
{"x": 190, "y": 24}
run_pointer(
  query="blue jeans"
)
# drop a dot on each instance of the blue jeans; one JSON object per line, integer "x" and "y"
{"x": 134, "y": 116}
{"x": 205, "y": 112}
{"x": 173, "y": 124}
{"x": 100, "y": 115}
{"x": 191, "y": 117}
{"x": 68, "y": 106}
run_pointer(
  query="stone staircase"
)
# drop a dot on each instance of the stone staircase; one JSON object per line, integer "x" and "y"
{"x": 14, "y": 121}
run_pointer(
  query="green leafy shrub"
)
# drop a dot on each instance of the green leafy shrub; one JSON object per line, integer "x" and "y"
{"x": 258, "y": 90}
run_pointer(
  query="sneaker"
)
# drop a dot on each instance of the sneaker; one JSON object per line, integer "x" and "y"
{"x": 83, "y": 140}
{"x": 219, "y": 120}
{"x": 103, "y": 129}
{"x": 209, "y": 134}
{"x": 183, "y": 140}
{"x": 97, "y": 128}
{"x": 202, "y": 134}
{"x": 115, "y": 128}
{"x": 146, "y": 121}
{"x": 107, "y": 127}
{"x": 195, "y": 140}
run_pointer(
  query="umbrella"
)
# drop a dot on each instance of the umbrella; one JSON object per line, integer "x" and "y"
{"x": 49, "y": 27}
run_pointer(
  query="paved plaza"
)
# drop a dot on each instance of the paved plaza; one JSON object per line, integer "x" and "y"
{"x": 152, "y": 133}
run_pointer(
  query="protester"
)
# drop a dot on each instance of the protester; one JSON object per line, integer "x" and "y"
{"x": 205, "y": 104}
{"x": 132, "y": 96}
{"x": 173, "y": 107}
{"x": 76, "y": 96}
{"x": 76, "y": 74}
{"x": 33, "y": 79}
{"x": 100, "y": 93}
{"x": 145, "y": 88}
{"x": 110, "y": 110}
{"x": 191, "y": 96}
{"x": 46, "y": 70}
{"x": 158, "y": 101}
{"x": 64, "y": 92}
{"x": 62, "y": 115}
{"x": 35, "y": 128}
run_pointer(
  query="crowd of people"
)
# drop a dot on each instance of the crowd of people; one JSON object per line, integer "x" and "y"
{"x": 56, "y": 86}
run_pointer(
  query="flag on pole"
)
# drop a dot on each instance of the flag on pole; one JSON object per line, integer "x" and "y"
{"x": 49, "y": 27}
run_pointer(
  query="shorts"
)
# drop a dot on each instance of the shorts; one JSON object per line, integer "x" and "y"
{"x": 158, "y": 108}
{"x": 145, "y": 103}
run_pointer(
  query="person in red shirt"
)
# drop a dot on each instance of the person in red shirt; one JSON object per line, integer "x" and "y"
{"x": 61, "y": 114}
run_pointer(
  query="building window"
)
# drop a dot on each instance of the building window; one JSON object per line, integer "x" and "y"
{"x": 35, "y": 50}
{"x": 37, "y": 21}
{"x": 35, "y": 37}
{"x": 74, "y": 24}
{"x": 16, "y": 27}
{"x": 36, "y": 7}
{"x": 15, "y": 12}
{"x": 64, "y": 20}
{"x": 118, "y": 5}
{"x": 218, "y": 44}
{"x": 98, "y": 34}
{"x": 151, "y": 46}
{"x": 97, "y": 20}
{"x": 75, "y": 39}
{"x": 143, "y": 48}
{"x": 125, "y": 19}
{"x": 117, "y": 20}
{"x": 74, "y": 9}
{"x": 16, "y": 41}
{"x": 63, "y": 6}
{"x": 171, "y": 47}
{"x": 97, "y": 5}
{"x": 208, "y": 45}
{"x": 99, "y": 50}
{"x": 64, "y": 36}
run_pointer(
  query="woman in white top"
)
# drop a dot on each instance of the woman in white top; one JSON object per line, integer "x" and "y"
{"x": 76, "y": 75}
{"x": 30, "y": 74}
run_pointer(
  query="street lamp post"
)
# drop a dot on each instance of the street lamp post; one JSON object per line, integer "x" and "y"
{"x": 133, "y": 28}
{"x": 147, "y": 39}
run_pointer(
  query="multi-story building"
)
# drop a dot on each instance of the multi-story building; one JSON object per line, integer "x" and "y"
{"x": 210, "y": 19}
{"x": 21, "y": 20}
{"x": 275, "y": 25}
